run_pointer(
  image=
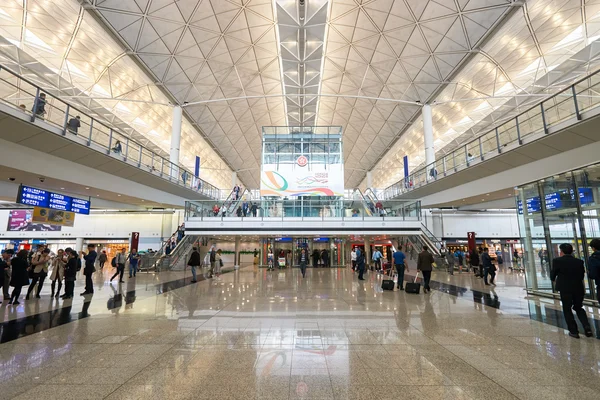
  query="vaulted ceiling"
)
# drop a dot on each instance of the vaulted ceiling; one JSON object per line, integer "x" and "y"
{"x": 366, "y": 65}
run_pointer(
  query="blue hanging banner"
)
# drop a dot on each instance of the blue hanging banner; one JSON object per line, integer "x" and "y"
{"x": 197, "y": 167}
{"x": 405, "y": 161}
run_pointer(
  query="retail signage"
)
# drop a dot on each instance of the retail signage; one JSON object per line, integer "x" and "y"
{"x": 21, "y": 220}
{"x": 471, "y": 241}
{"x": 290, "y": 180}
{"x": 45, "y": 199}
{"x": 283, "y": 239}
{"x": 557, "y": 200}
{"x": 135, "y": 240}
{"x": 43, "y": 215}
{"x": 320, "y": 240}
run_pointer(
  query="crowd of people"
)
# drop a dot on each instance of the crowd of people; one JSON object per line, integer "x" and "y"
{"x": 31, "y": 268}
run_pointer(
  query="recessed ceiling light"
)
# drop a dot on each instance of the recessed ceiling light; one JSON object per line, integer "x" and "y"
{"x": 119, "y": 195}
{"x": 87, "y": 188}
{"x": 487, "y": 194}
{"x": 142, "y": 200}
{"x": 62, "y": 188}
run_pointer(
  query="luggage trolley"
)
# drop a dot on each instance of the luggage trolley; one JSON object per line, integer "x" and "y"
{"x": 281, "y": 262}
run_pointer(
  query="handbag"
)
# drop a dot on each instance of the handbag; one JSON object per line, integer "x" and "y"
{"x": 221, "y": 262}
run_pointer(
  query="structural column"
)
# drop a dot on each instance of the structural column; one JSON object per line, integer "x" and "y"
{"x": 176, "y": 140}
{"x": 234, "y": 179}
{"x": 369, "y": 179}
{"x": 78, "y": 244}
{"x": 237, "y": 261}
{"x": 367, "y": 251}
{"x": 428, "y": 134}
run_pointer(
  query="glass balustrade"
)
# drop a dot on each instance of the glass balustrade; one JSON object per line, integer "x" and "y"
{"x": 41, "y": 105}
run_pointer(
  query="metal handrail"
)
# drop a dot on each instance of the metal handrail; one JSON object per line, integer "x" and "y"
{"x": 430, "y": 172}
{"x": 130, "y": 150}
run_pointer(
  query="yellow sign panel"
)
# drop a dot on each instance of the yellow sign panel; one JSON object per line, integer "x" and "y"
{"x": 53, "y": 217}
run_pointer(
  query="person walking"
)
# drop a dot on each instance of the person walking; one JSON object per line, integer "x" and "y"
{"x": 254, "y": 209}
{"x": 7, "y": 255}
{"x": 474, "y": 261}
{"x": 70, "y": 274}
{"x": 194, "y": 262}
{"x": 89, "y": 269}
{"x": 218, "y": 262}
{"x": 376, "y": 257}
{"x": 488, "y": 268}
{"x": 58, "y": 271}
{"x": 302, "y": 260}
{"x": 5, "y": 265}
{"x": 594, "y": 266}
{"x": 39, "y": 106}
{"x": 19, "y": 277}
{"x": 325, "y": 258}
{"x": 74, "y": 124}
{"x": 459, "y": 255}
{"x": 315, "y": 258}
{"x": 39, "y": 266}
{"x": 425, "y": 265}
{"x": 121, "y": 258}
{"x": 134, "y": 260}
{"x": 360, "y": 263}
{"x": 451, "y": 260}
{"x": 102, "y": 258}
{"x": 353, "y": 258}
{"x": 568, "y": 273}
{"x": 212, "y": 259}
{"x": 399, "y": 260}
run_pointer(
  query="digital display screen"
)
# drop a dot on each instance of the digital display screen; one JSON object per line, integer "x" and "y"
{"x": 42, "y": 198}
{"x": 558, "y": 200}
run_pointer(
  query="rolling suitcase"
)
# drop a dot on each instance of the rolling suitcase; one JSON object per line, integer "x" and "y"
{"x": 413, "y": 287}
{"x": 387, "y": 284}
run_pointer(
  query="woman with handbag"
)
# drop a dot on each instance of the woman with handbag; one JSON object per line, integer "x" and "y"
{"x": 58, "y": 271}
{"x": 39, "y": 270}
{"x": 20, "y": 275}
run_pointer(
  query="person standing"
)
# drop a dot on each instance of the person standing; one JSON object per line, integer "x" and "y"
{"x": 399, "y": 260}
{"x": 488, "y": 267}
{"x": 594, "y": 265}
{"x": 134, "y": 259}
{"x": 70, "y": 274}
{"x": 19, "y": 277}
{"x": 254, "y": 209}
{"x": 218, "y": 262}
{"x": 425, "y": 265}
{"x": 302, "y": 260}
{"x": 376, "y": 257}
{"x": 315, "y": 258}
{"x": 194, "y": 262}
{"x": 6, "y": 273}
{"x": 39, "y": 106}
{"x": 360, "y": 263}
{"x": 74, "y": 124}
{"x": 451, "y": 260}
{"x": 89, "y": 269}
{"x": 353, "y": 258}
{"x": 121, "y": 258}
{"x": 256, "y": 256}
{"x": 459, "y": 255}
{"x": 5, "y": 265}
{"x": 212, "y": 259}
{"x": 39, "y": 264}
{"x": 325, "y": 258}
{"x": 58, "y": 271}
{"x": 474, "y": 261}
{"x": 102, "y": 259}
{"x": 245, "y": 208}
{"x": 568, "y": 273}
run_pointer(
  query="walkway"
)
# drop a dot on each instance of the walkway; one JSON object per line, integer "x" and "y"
{"x": 272, "y": 335}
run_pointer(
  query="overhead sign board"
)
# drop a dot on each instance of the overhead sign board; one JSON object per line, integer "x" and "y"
{"x": 43, "y": 198}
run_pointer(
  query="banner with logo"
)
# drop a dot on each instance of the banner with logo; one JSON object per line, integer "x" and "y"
{"x": 42, "y": 215}
{"x": 301, "y": 179}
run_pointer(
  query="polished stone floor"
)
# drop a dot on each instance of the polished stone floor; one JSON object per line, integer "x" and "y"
{"x": 253, "y": 334}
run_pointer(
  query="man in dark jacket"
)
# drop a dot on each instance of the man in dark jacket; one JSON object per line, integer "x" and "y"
{"x": 89, "y": 269}
{"x": 303, "y": 260}
{"x": 425, "y": 265}
{"x": 194, "y": 262}
{"x": 5, "y": 265}
{"x": 568, "y": 273}
{"x": 488, "y": 267}
{"x": 474, "y": 261}
{"x": 594, "y": 266}
{"x": 360, "y": 263}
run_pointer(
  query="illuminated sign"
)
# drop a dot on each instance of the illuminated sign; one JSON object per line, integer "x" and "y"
{"x": 41, "y": 198}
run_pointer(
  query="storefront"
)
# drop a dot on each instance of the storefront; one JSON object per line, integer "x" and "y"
{"x": 111, "y": 246}
{"x": 315, "y": 246}
{"x": 560, "y": 209}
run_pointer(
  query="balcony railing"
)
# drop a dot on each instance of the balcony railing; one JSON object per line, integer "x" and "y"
{"x": 309, "y": 209}
{"x": 25, "y": 96}
{"x": 539, "y": 120}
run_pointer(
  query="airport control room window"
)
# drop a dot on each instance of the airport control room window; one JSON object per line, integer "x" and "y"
{"x": 559, "y": 209}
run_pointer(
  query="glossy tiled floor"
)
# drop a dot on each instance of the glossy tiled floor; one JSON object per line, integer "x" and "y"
{"x": 273, "y": 335}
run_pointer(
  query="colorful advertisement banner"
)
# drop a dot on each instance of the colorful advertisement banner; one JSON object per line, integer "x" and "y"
{"x": 49, "y": 216}
{"x": 21, "y": 220}
{"x": 292, "y": 180}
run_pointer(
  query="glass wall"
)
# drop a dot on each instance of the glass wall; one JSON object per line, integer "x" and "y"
{"x": 558, "y": 209}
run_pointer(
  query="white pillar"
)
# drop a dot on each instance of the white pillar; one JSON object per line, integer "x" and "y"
{"x": 367, "y": 244}
{"x": 78, "y": 244}
{"x": 369, "y": 179}
{"x": 428, "y": 134}
{"x": 234, "y": 179}
{"x": 176, "y": 140}
{"x": 237, "y": 252}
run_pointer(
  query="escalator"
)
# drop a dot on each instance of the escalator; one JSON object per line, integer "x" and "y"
{"x": 231, "y": 204}
{"x": 362, "y": 203}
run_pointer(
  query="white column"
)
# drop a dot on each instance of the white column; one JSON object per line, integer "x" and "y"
{"x": 234, "y": 179}
{"x": 369, "y": 179}
{"x": 237, "y": 252}
{"x": 176, "y": 140}
{"x": 367, "y": 244}
{"x": 428, "y": 134}
{"x": 78, "y": 244}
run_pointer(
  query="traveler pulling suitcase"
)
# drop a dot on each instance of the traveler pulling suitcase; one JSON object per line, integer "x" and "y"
{"x": 413, "y": 287}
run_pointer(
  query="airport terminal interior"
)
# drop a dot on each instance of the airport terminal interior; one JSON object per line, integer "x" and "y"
{"x": 300, "y": 199}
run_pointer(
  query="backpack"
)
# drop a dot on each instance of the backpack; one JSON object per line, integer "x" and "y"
{"x": 113, "y": 262}
{"x": 78, "y": 264}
